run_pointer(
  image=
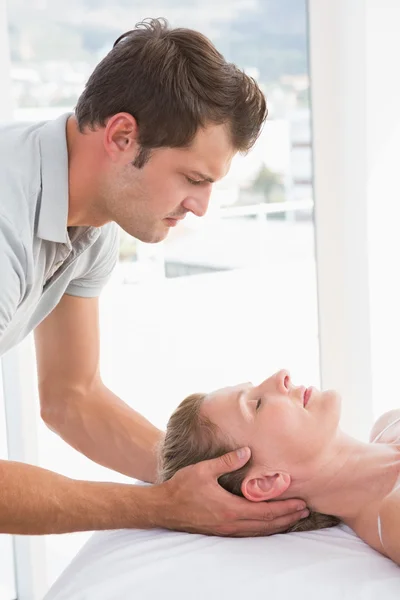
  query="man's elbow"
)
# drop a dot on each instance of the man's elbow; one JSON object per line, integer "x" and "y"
{"x": 61, "y": 404}
{"x": 52, "y": 411}
{"x": 55, "y": 403}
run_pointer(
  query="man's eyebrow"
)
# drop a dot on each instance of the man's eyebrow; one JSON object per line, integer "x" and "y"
{"x": 202, "y": 176}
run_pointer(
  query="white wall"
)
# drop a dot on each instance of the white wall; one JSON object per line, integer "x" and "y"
{"x": 355, "y": 92}
{"x": 383, "y": 143}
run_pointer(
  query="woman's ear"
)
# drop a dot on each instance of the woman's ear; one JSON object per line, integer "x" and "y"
{"x": 265, "y": 486}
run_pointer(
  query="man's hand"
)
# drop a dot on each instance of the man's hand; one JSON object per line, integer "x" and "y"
{"x": 194, "y": 501}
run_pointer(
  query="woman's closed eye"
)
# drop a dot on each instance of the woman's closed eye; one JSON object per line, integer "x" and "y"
{"x": 258, "y": 404}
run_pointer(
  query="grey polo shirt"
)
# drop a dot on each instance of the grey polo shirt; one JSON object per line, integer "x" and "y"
{"x": 40, "y": 258}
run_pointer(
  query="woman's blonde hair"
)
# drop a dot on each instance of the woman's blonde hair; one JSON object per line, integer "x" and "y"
{"x": 191, "y": 438}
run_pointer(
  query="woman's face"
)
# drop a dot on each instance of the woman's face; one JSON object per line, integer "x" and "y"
{"x": 286, "y": 427}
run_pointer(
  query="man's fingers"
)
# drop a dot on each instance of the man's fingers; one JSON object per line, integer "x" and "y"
{"x": 228, "y": 462}
{"x": 270, "y": 511}
{"x": 264, "y": 528}
{"x": 283, "y": 523}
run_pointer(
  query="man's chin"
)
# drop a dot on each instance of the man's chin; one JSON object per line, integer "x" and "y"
{"x": 148, "y": 237}
{"x": 154, "y": 237}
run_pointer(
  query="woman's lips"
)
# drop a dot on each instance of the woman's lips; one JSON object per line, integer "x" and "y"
{"x": 307, "y": 395}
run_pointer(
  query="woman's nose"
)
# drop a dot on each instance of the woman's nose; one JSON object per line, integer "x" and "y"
{"x": 283, "y": 381}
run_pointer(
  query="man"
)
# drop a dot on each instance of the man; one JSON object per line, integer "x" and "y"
{"x": 159, "y": 121}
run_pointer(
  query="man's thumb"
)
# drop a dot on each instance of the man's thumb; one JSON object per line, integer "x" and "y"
{"x": 230, "y": 462}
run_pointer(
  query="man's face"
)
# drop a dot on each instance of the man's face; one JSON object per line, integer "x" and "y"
{"x": 147, "y": 201}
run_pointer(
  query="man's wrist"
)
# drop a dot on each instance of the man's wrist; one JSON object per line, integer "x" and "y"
{"x": 156, "y": 505}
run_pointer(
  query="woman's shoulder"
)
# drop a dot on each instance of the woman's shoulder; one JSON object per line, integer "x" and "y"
{"x": 387, "y": 427}
{"x": 390, "y": 524}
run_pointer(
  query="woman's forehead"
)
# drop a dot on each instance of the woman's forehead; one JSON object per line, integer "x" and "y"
{"x": 230, "y": 390}
{"x": 225, "y": 400}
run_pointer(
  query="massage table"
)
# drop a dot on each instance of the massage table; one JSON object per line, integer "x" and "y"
{"x": 329, "y": 564}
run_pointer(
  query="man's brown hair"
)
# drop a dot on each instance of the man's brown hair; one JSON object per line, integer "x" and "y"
{"x": 172, "y": 81}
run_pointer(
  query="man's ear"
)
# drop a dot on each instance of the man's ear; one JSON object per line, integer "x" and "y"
{"x": 121, "y": 135}
{"x": 259, "y": 487}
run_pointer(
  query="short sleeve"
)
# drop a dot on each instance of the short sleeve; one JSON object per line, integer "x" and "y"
{"x": 12, "y": 273}
{"x": 98, "y": 264}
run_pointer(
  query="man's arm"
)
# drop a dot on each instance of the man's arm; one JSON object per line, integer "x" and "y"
{"x": 34, "y": 501}
{"x": 75, "y": 403}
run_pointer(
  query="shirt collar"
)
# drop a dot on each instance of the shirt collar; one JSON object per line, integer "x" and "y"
{"x": 53, "y": 212}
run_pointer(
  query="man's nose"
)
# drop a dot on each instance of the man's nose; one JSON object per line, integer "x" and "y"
{"x": 198, "y": 204}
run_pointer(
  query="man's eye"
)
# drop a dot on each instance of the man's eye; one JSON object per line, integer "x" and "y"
{"x": 258, "y": 404}
{"x": 194, "y": 181}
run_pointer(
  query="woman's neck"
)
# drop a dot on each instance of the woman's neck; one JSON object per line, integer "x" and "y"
{"x": 351, "y": 476}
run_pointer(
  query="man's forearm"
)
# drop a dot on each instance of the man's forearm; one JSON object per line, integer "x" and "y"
{"x": 106, "y": 430}
{"x": 34, "y": 501}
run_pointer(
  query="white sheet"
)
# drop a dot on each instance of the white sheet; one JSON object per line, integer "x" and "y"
{"x": 149, "y": 565}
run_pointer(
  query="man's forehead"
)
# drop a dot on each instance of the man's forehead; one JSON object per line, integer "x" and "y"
{"x": 212, "y": 151}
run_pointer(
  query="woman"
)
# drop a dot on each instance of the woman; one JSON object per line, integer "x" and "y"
{"x": 299, "y": 451}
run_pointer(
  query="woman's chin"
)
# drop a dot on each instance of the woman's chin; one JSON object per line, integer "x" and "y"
{"x": 333, "y": 397}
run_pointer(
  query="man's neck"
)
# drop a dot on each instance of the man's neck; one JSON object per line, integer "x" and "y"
{"x": 83, "y": 163}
